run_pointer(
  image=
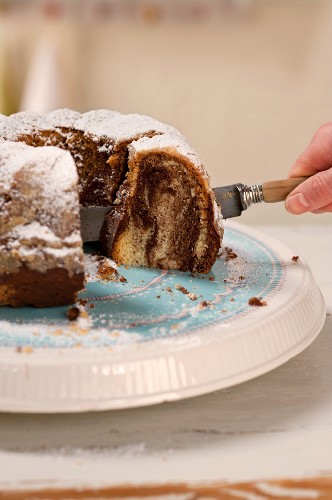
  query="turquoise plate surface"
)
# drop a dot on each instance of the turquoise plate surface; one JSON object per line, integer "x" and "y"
{"x": 151, "y": 304}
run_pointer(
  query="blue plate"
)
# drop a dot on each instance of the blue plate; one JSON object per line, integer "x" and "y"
{"x": 153, "y": 304}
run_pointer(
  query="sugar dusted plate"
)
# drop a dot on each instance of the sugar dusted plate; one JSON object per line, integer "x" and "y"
{"x": 148, "y": 336}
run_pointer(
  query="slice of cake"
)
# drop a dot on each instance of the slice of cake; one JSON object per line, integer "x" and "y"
{"x": 41, "y": 256}
{"x": 165, "y": 215}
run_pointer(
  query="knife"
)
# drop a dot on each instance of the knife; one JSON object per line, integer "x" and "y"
{"x": 232, "y": 199}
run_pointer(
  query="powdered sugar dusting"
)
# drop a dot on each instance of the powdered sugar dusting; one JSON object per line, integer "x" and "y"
{"x": 170, "y": 141}
{"x": 28, "y": 122}
{"x": 36, "y": 230}
{"x": 117, "y": 126}
{"x": 19, "y": 124}
{"x": 59, "y": 118}
{"x": 39, "y": 211}
{"x": 146, "y": 132}
{"x": 95, "y": 119}
{"x": 52, "y": 169}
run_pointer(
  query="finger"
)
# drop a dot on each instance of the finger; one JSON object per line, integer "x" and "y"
{"x": 318, "y": 154}
{"x": 311, "y": 195}
{"x": 327, "y": 208}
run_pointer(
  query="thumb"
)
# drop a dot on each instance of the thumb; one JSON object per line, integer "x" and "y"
{"x": 318, "y": 154}
{"x": 313, "y": 195}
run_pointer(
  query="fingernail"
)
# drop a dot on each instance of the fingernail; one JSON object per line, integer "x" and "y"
{"x": 297, "y": 204}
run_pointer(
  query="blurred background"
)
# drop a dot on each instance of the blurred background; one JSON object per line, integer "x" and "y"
{"x": 246, "y": 81}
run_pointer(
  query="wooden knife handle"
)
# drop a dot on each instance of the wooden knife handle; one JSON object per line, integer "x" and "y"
{"x": 279, "y": 190}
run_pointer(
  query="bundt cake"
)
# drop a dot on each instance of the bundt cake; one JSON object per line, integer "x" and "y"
{"x": 163, "y": 212}
{"x": 41, "y": 254}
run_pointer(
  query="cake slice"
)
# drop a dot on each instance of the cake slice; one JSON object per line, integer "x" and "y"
{"x": 41, "y": 255}
{"x": 165, "y": 215}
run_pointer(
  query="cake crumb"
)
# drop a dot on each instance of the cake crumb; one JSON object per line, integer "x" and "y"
{"x": 106, "y": 271}
{"x": 192, "y": 296}
{"x": 73, "y": 313}
{"x": 169, "y": 290}
{"x": 181, "y": 289}
{"x": 91, "y": 306}
{"x": 230, "y": 254}
{"x": 204, "y": 304}
{"x": 295, "y": 258}
{"x": 83, "y": 302}
{"x": 242, "y": 277}
{"x": 257, "y": 301}
{"x": 158, "y": 297}
{"x": 212, "y": 278}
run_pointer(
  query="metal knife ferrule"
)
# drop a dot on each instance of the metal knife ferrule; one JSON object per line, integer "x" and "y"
{"x": 250, "y": 194}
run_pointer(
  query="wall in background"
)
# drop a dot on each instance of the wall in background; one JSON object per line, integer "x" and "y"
{"x": 248, "y": 91}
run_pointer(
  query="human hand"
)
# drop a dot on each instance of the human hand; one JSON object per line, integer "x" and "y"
{"x": 314, "y": 194}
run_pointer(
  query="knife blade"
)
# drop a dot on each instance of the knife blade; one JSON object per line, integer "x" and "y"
{"x": 232, "y": 199}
